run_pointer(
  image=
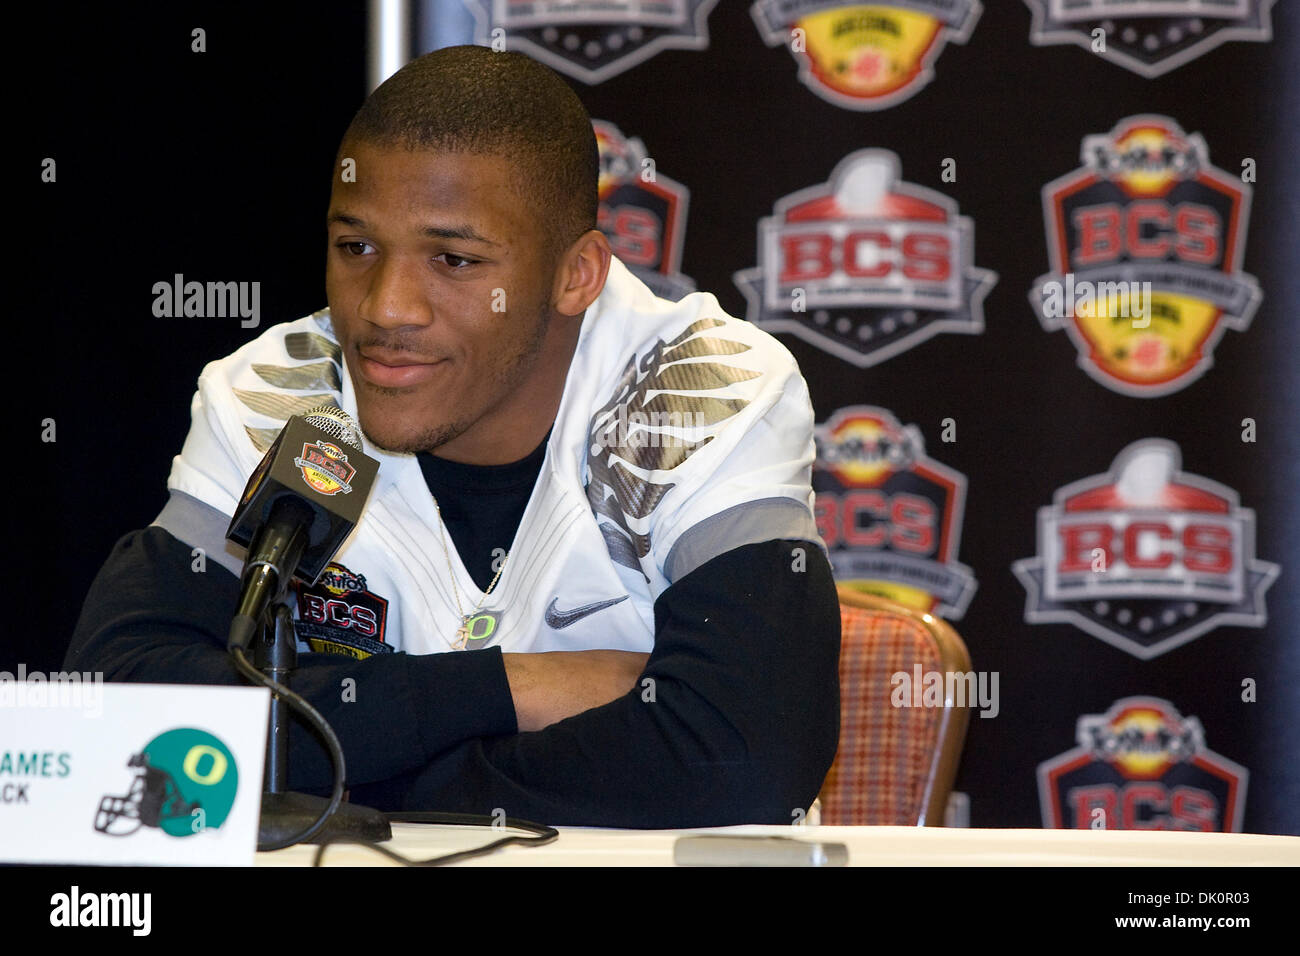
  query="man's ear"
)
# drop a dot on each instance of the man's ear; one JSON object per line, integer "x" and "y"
{"x": 581, "y": 273}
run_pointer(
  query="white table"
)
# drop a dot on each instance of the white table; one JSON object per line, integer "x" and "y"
{"x": 868, "y": 846}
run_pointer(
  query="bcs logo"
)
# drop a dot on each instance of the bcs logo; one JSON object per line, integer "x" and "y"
{"x": 1149, "y": 37}
{"x": 339, "y": 614}
{"x": 591, "y": 40}
{"x": 1147, "y": 210}
{"x": 865, "y": 266}
{"x": 643, "y": 213}
{"x": 890, "y": 516}
{"x": 1146, "y": 557}
{"x": 1141, "y": 766}
{"x": 865, "y": 57}
{"x": 325, "y": 468}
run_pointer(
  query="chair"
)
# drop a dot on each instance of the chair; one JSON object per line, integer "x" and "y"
{"x": 896, "y": 764}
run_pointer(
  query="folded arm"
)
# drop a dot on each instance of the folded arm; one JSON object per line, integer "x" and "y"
{"x": 735, "y": 719}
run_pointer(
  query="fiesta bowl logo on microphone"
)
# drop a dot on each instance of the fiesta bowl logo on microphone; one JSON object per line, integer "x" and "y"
{"x": 866, "y": 266}
{"x": 891, "y": 517}
{"x": 1145, "y": 243}
{"x": 1141, "y": 766}
{"x": 1149, "y": 37}
{"x": 1146, "y": 557}
{"x": 642, "y": 212}
{"x": 865, "y": 57}
{"x": 325, "y": 468}
{"x": 591, "y": 40}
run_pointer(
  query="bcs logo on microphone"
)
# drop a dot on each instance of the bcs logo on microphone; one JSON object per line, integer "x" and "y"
{"x": 1146, "y": 557}
{"x": 891, "y": 517}
{"x": 325, "y": 468}
{"x": 866, "y": 266}
{"x": 1155, "y": 235}
{"x": 1141, "y": 766}
{"x": 865, "y": 57}
{"x": 339, "y": 614}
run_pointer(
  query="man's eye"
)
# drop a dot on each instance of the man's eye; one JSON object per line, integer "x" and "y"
{"x": 354, "y": 248}
{"x": 454, "y": 261}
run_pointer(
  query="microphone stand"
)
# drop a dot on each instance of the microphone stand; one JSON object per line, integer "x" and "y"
{"x": 286, "y": 812}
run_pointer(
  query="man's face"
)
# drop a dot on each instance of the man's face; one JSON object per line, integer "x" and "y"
{"x": 439, "y": 285}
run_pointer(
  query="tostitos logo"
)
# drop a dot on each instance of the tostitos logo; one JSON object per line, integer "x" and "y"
{"x": 1146, "y": 557}
{"x": 1141, "y": 766}
{"x": 866, "y": 266}
{"x": 890, "y": 516}
{"x": 325, "y": 468}
{"x": 1145, "y": 243}
{"x": 865, "y": 56}
{"x": 1149, "y": 37}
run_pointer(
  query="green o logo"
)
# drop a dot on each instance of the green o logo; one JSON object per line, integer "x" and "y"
{"x": 216, "y": 769}
{"x": 481, "y": 626}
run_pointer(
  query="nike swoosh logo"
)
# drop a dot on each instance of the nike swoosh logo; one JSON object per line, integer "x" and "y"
{"x": 559, "y": 619}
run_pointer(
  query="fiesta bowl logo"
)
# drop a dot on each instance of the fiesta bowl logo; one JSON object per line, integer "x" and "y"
{"x": 890, "y": 516}
{"x": 185, "y": 783}
{"x": 1149, "y": 37}
{"x": 591, "y": 40}
{"x": 865, "y": 266}
{"x": 1146, "y": 558}
{"x": 1141, "y": 766}
{"x": 642, "y": 212}
{"x": 325, "y": 468}
{"x": 339, "y": 614}
{"x": 865, "y": 56}
{"x": 1145, "y": 244}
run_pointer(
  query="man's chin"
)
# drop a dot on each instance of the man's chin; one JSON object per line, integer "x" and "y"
{"x": 405, "y": 442}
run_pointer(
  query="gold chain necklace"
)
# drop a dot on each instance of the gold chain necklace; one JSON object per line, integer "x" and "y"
{"x": 462, "y": 632}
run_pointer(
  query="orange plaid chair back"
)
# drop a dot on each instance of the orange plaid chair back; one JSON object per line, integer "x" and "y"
{"x": 895, "y": 765}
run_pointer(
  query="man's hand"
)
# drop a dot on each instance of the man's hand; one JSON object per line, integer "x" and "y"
{"x": 554, "y": 685}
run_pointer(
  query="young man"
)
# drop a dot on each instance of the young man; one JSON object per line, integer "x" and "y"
{"x": 603, "y": 495}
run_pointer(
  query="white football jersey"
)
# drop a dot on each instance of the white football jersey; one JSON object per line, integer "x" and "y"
{"x": 682, "y": 433}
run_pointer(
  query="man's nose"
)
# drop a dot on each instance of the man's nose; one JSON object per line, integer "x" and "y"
{"x": 396, "y": 296}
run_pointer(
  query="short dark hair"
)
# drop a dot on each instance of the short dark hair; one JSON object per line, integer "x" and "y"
{"x": 470, "y": 99}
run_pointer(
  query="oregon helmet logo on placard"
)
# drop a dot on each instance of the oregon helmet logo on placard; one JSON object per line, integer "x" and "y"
{"x": 866, "y": 266}
{"x": 1149, "y": 37}
{"x": 1145, "y": 243}
{"x": 185, "y": 782}
{"x": 1146, "y": 557}
{"x": 642, "y": 212}
{"x": 325, "y": 468}
{"x": 890, "y": 516}
{"x": 1141, "y": 766}
{"x": 591, "y": 40}
{"x": 865, "y": 56}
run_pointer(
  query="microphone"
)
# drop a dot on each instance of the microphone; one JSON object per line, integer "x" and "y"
{"x": 300, "y": 504}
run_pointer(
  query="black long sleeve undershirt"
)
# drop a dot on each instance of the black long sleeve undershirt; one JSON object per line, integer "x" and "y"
{"x": 742, "y": 726}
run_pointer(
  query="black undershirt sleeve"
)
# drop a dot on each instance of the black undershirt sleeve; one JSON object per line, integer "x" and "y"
{"x": 738, "y": 722}
{"x": 149, "y": 617}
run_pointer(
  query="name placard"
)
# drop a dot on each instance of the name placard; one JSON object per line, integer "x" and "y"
{"x": 129, "y": 773}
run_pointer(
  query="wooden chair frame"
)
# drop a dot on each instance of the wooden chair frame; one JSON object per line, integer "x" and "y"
{"x": 953, "y": 722}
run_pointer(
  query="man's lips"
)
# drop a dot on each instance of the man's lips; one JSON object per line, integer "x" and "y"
{"x": 395, "y": 369}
